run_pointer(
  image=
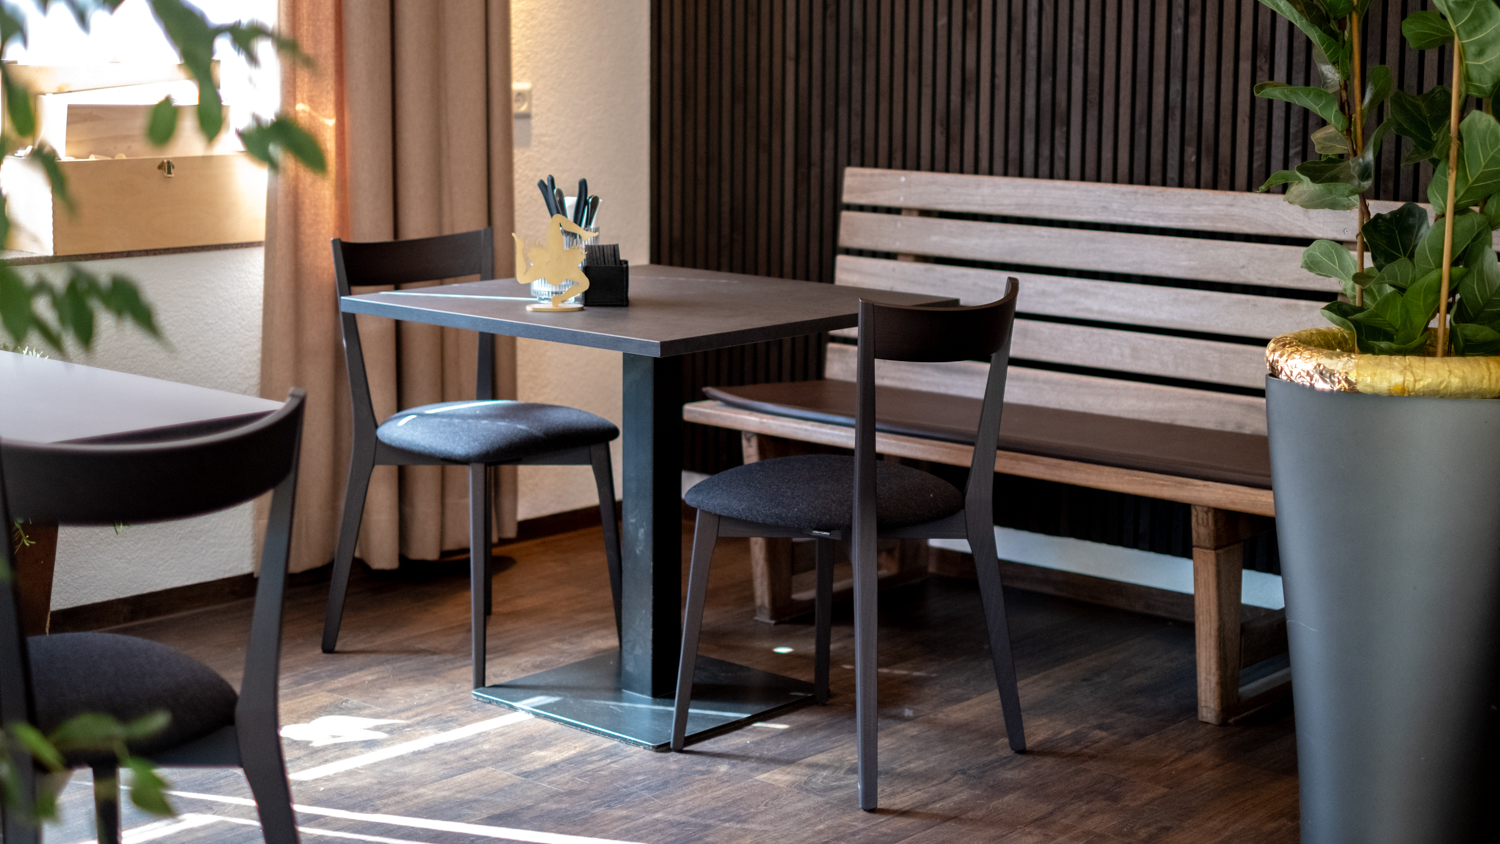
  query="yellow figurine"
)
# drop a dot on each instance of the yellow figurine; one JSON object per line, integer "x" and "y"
{"x": 555, "y": 264}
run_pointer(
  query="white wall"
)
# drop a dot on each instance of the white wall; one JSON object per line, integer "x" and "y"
{"x": 588, "y": 62}
{"x": 208, "y": 308}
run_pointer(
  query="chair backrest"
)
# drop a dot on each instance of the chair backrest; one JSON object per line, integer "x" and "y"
{"x": 929, "y": 335}
{"x": 1144, "y": 302}
{"x": 397, "y": 262}
{"x": 74, "y": 484}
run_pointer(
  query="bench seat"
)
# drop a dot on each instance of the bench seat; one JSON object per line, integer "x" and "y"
{"x": 1179, "y": 450}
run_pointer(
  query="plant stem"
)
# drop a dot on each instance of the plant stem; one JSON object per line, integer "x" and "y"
{"x": 1449, "y": 211}
{"x": 1357, "y": 109}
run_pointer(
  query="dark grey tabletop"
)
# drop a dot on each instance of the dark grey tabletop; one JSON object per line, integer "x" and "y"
{"x": 673, "y": 310}
{"x": 55, "y": 401}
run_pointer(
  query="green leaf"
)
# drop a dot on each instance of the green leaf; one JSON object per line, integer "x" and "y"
{"x": 17, "y": 105}
{"x": 1335, "y": 197}
{"x": 1338, "y": 313}
{"x": 1281, "y": 177}
{"x": 37, "y": 745}
{"x": 1320, "y": 102}
{"x": 1466, "y": 226}
{"x": 1419, "y": 305}
{"x": 163, "y": 123}
{"x": 146, "y": 726}
{"x": 1424, "y": 120}
{"x": 1398, "y": 274}
{"x": 268, "y": 141}
{"x": 1471, "y": 339}
{"x": 46, "y": 157}
{"x": 1437, "y": 189}
{"x": 1479, "y": 158}
{"x": 1377, "y": 89}
{"x": 89, "y": 731}
{"x": 1329, "y": 260}
{"x": 1328, "y": 140}
{"x": 1312, "y": 19}
{"x": 1477, "y": 23}
{"x": 16, "y": 315}
{"x": 1479, "y": 291}
{"x": 1426, "y": 30}
{"x": 147, "y": 789}
{"x": 1327, "y": 71}
{"x": 1394, "y": 235}
{"x": 1387, "y": 347}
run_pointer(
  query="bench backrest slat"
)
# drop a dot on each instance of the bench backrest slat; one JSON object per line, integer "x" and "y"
{"x": 1175, "y": 308}
{"x": 1148, "y": 347}
{"x": 1124, "y": 205}
{"x": 1070, "y": 391}
{"x": 1162, "y": 256}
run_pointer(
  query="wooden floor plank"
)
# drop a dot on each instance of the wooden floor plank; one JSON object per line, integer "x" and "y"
{"x": 1116, "y": 753}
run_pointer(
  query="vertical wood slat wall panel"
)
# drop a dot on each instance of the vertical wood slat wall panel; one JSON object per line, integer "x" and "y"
{"x": 759, "y": 105}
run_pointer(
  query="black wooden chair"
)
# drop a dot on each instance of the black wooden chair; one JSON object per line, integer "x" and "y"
{"x": 46, "y": 680}
{"x": 857, "y": 499}
{"x": 478, "y": 434}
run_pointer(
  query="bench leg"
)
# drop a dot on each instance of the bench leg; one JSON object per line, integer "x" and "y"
{"x": 1216, "y": 616}
{"x": 770, "y": 559}
{"x": 1218, "y": 563}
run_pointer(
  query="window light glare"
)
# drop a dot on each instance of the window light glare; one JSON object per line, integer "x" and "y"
{"x": 782, "y": 650}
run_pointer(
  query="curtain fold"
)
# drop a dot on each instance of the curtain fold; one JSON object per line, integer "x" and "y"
{"x": 413, "y": 100}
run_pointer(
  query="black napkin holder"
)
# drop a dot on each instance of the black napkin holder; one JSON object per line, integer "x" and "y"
{"x": 609, "y": 278}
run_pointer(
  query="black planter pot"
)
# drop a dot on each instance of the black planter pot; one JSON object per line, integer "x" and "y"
{"x": 1388, "y": 518}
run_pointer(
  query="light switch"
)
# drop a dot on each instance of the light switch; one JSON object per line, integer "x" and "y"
{"x": 521, "y": 99}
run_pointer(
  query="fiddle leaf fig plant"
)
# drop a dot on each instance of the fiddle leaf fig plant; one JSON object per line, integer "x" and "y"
{"x": 1454, "y": 276}
{"x": 1421, "y": 270}
{"x": 60, "y": 311}
{"x": 1346, "y": 99}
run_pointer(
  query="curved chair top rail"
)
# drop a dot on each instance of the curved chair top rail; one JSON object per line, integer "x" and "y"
{"x": 938, "y": 333}
{"x": 417, "y": 259}
{"x": 111, "y": 484}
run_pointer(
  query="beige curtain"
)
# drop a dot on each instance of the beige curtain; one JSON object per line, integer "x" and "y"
{"x": 413, "y": 100}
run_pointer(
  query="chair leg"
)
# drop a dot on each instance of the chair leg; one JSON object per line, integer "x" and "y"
{"x": 604, "y": 479}
{"x": 479, "y": 565}
{"x": 987, "y": 566}
{"x": 489, "y": 547}
{"x": 16, "y": 825}
{"x": 361, "y": 464}
{"x": 265, "y": 770}
{"x": 866, "y": 713}
{"x": 705, "y": 534}
{"x": 823, "y": 616}
{"x": 107, "y": 802}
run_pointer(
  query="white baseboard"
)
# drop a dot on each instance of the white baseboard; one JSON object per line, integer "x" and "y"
{"x": 1113, "y": 562}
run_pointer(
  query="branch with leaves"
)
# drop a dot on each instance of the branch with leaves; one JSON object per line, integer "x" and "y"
{"x": 73, "y": 304}
{"x": 1449, "y": 271}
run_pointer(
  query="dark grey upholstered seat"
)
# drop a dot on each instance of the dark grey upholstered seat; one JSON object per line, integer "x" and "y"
{"x": 816, "y": 492}
{"x": 493, "y": 431}
{"x": 127, "y": 677}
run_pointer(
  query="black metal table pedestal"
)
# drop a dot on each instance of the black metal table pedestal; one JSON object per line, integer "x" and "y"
{"x": 589, "y": 695}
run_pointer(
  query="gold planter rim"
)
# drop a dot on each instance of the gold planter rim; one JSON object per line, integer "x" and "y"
{"x": 1326, "y": 359}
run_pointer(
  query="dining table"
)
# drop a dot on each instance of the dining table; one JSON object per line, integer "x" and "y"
{"x": 57, "y": 401}
{"x": 673, "y": 312}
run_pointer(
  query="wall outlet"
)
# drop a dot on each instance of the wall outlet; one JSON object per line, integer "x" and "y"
{"x": 521, "y": 99}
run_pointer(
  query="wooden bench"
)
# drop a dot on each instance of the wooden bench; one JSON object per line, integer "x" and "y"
{"x": 1136, "y": 366}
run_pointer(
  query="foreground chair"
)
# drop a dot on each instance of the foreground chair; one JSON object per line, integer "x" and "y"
{"x": 478, "y": 434}
{"x": 857, "y": 499}
{"x": 46, "y": 680}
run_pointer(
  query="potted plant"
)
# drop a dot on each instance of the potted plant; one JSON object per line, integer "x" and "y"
{"x": 1385, "y": 451}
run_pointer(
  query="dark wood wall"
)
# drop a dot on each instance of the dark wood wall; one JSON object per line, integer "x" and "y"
{"x": 759, "y": 105}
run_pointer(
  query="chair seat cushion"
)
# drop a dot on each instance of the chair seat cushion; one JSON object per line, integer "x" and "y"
{"x": 493, "y": 431}
{"x": 1178, "y": 450}
{"x": 816, "y": 492}
{"x": 126, "y": 677}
